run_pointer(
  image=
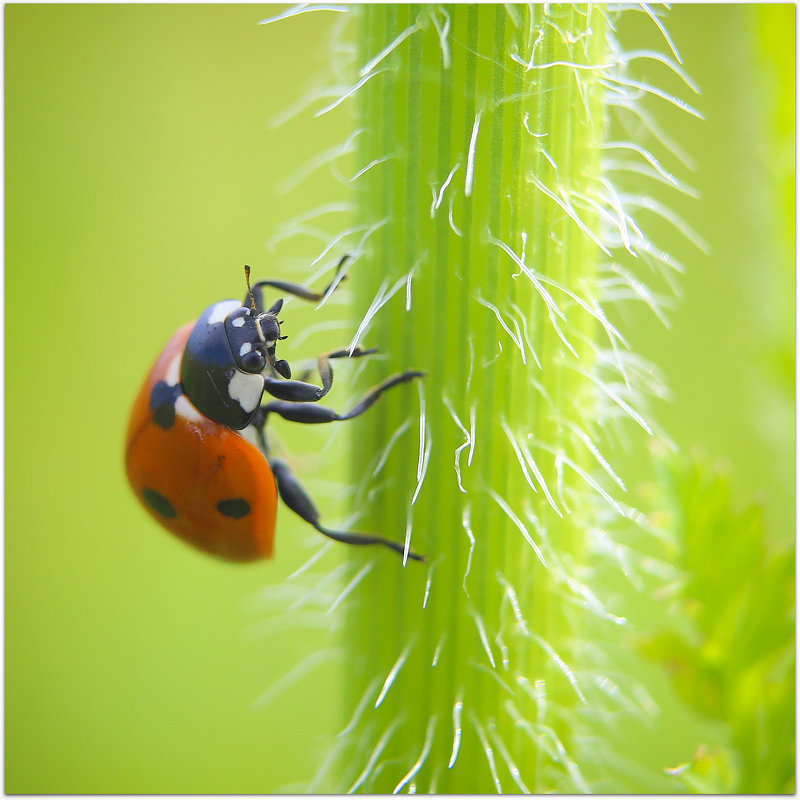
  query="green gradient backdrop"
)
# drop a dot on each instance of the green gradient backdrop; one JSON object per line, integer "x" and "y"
{"x": 140, "y": 175}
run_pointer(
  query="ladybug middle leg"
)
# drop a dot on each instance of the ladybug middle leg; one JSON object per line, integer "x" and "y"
{"x": 302, "y": 392}
{"x": 310, "y": 413}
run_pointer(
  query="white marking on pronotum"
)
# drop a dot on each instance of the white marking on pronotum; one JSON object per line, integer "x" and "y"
{"x": 458, "y": 707}
{"x": 381, "y": 298}
{"x": 295, "y": 674}
{"x": 302, "y": 8}
{"x": 487, "y": 749}
{"x": 357, "y": 578}
{"x": 467, "y": 442}
{"x": 362, "y": 704}
{"x": 311, "y": 561}
{"x": 468, "y": 179}
{"x": 376, "y": 754}
{"x": 238, "y": 322}
{"x": 185, "y": 409}
{"x": 173, "y": 375}
{"x": 519, "y": 523}
{"x": 246, "y": 390}
{"x": 439, "y": 196}
{"x": 221, "y": 310}
{"x": 426, "y": 748}
{"x": 370, "y": 65}
{"x": 390, "y": 678}
{"x": 246, "y": 347}
{"x": 483, "y": 637}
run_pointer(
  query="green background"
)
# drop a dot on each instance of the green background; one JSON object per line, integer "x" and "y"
{"x": 141, "y": 173}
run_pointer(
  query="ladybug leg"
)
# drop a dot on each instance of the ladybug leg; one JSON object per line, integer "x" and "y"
{"x": 302, "y": 392}
{"x": 296, "y": 497}
{"x": 295, "y": 288}
{"x": 309, "y": 413}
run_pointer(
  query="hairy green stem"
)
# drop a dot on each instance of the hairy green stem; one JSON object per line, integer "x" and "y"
{"x": 478, "y": 159}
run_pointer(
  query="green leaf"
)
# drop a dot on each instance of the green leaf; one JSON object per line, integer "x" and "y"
{"x": 736, "y": 662}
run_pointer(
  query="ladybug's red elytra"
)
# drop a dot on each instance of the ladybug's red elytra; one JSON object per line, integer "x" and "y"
{"x": 196, "y": 451}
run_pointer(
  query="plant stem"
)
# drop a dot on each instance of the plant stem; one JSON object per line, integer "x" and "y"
{"x": 479, "y": 184}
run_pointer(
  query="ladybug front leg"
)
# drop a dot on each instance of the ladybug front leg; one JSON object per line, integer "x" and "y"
{"x": 295, "y": 288}
{"x": 293, "y": 494}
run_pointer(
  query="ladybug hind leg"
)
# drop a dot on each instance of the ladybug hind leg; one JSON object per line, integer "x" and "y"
{"x": 290, "y": 490}
{"x": 296, "y": 497}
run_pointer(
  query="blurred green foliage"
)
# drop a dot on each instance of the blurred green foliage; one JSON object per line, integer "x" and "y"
{"x": 730, "y": 651}
{"x": 140, "y": 176}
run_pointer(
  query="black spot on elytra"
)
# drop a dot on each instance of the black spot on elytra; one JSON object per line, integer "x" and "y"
{"x": 236, "y": 507}
{"x": 162, "y": 402}
{"x": 159, "y": 503}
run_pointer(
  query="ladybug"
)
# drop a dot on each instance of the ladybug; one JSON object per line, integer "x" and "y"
{"x": 196, "y": 452}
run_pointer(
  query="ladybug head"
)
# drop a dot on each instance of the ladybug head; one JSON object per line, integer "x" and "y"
{"x": 252, "y": 338}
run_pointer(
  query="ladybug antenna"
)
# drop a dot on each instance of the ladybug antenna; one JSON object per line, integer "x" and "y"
{"x": 249, "y": 289}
